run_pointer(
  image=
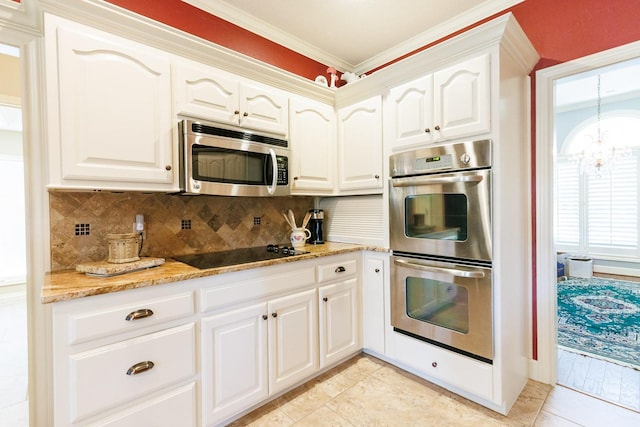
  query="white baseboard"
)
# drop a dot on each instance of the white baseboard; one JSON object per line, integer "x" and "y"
{"x": 622, "y": 271}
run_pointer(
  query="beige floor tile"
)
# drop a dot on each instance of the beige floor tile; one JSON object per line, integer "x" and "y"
{"x": 273, "y": 417}
{"x": 323, "y": 417}
{"x": 545, "y": 419}
{"x": 374, "y": 402}
{"x": 588, "y": 411}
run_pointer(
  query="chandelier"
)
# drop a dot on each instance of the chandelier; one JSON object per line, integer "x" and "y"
{"x": 598, "y": 157}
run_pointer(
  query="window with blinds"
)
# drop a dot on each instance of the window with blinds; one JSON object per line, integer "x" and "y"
{"x": 598, "y": 215}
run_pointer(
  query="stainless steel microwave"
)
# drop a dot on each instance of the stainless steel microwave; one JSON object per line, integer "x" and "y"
{"x": 227, "y": 161}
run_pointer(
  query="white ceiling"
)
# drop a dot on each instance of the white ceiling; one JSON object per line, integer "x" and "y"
{"x": 353, "y": 35}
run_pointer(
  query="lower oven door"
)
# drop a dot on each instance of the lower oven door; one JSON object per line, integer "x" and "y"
{"x": 446, "y": 304}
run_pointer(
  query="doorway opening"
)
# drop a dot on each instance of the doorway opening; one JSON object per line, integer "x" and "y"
{"x": 14, "y": 405}
{"x": 587, "y": 221}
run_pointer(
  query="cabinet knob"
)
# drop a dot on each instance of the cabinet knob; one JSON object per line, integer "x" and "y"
{"x": 295, "y": 178}
{"x": 168, "y": 167}
{"x": 139, "y": 314}
{"x": 427, "y": 130}
{"x": 377, "y": 270}
{"x": 340, "y": 269}
{"x": 376, "y": 176}
{"x": 140, "y": 367}
{"x": 325, "y": 299}
{"x": 434, "y": 364}
{"x": 265, "y": 317}
{"x": 437, "y": 127}
{"x": 274, "y": 314}
{"x": 236, "y": 112}
{"x": 245, "y": 114}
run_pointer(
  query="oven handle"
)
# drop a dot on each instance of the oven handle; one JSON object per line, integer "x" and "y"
{"x": 409, "y": 182}
{"x": 458, "y": 273}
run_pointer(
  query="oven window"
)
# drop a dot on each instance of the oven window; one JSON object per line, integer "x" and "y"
{"x": 231, "y": 166}
{"x": 436, "y": 216}
{"x": 439, "y": 303}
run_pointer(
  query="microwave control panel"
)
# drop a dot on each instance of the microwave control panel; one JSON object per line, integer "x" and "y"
{"x": 283, "y": 170}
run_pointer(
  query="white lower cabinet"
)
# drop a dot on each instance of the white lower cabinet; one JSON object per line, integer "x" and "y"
{"x": 177, "y": 408}
{"x": 374, "y": 276}
{"x": 339, "y": 321}
{"x": 252, "y": 352}
{"x": 293, "y": 339}
{"x": 234, "y": 362}
{"x": 141, "y": 365}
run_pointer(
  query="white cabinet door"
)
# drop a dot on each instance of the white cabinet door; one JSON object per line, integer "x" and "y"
{"x": 203, "y": 92}
{"x": 263, "y": 109}
{"x": 234, "y": 362}
{"x": 293, "y": 338}
{"x": 411, "y": 107}
{"x": 313, "y": 147}
{"x": 112, "y": 126}
{"x": 360, "y": 147}
{"x": 373, "y": 311}
{"x": 462, "y": 99}
{"x": 339, "y": 324}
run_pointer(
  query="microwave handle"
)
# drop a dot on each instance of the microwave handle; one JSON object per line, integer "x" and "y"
{"x": 432, "y": 269}
{"x": 408, "y": 182}
{"x": 274, "y": 162}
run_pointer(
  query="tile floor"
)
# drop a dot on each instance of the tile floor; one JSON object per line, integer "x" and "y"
{"x": 13, "y": 358}
{"x": 609, "y": 381}
{"x": 365, "y": 391}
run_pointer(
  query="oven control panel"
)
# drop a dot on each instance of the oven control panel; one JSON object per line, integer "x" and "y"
{"x": 435, "y": 162}
{"x": 451, "y": 157}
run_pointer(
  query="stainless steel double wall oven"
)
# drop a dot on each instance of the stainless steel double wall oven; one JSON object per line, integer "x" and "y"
{"x": 440, "y": 234}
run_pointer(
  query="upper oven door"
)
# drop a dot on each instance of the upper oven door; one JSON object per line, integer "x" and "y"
{"x": 442, "y": 214}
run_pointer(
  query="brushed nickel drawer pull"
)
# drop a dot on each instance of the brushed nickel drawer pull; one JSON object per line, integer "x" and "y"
{"x": 140, "y": 367}
{"x": 340, "y": 269}
{"x": 139, "y": 314}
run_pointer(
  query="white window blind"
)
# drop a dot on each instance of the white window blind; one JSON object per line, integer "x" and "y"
{"x": 598, "y": 215}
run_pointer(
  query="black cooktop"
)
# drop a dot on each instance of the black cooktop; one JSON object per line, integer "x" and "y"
{"x": 238, "y": 256}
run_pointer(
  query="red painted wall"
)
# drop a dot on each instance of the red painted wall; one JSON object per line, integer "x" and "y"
{"x": 559, "y": 30}
{"x": 183, "y": 16}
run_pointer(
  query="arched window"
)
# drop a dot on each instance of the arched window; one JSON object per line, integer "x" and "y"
{"x": 597, "y": 214}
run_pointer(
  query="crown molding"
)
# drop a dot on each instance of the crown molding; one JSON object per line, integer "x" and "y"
{"x": 239, "y": 17}
{"x": 444, "y": 29}
{"x": 257, "y": 26}
{"x": 22, "y": 16}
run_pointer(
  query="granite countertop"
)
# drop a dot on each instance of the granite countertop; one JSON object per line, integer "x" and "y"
{"x": 71, "y": 284}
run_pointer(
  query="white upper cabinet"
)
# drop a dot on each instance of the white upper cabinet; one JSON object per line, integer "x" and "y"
{"x": 211, "y": 94}
{"x": 110, "y": 123}
{"x": 462, "y": 102}
{"x": 360, "y": 147}
{"x": 412, "y": 109}
{"x": 451, "y": 103}
{"x": 313, "y": 147}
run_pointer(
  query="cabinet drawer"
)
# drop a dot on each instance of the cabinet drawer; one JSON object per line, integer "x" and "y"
{"x": 127, "y": 317}
{"x": 337, "y": 269}
{"x": 448, "y": 367}
{"x": 176, "y": 408}
{"x": 102, "y": 378}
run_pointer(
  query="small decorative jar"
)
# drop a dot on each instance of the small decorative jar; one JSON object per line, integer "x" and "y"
{"x": 123, "y": 247}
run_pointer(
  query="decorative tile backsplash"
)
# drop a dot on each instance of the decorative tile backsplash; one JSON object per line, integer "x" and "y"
{"x": 174, "y": 224}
